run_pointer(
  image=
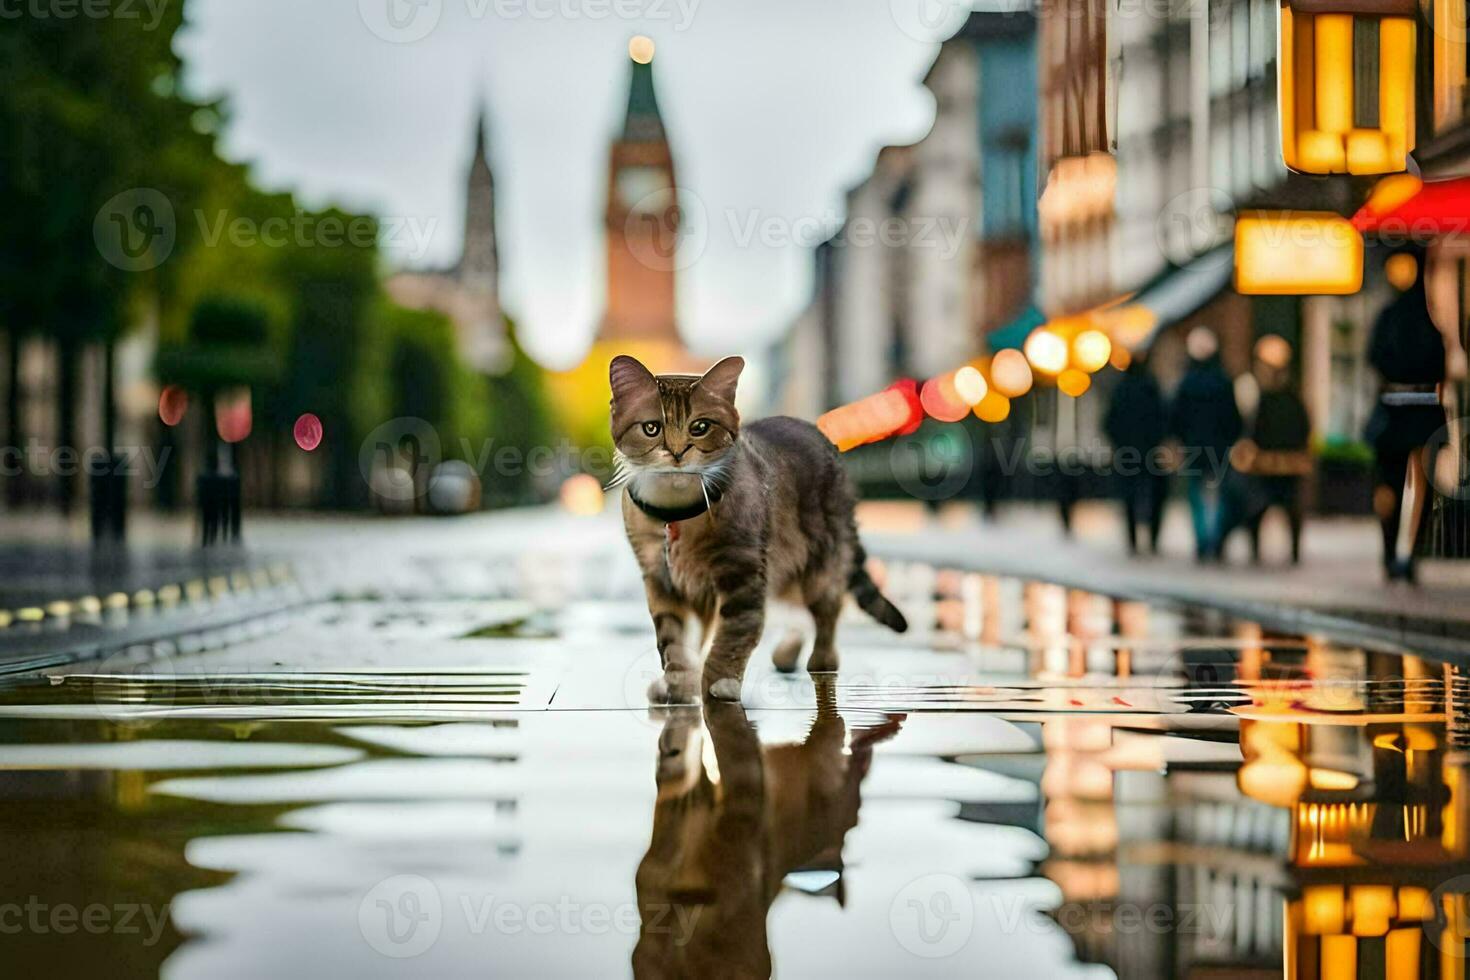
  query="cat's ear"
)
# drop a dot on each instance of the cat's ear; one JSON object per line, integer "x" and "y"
{"x": 628, "y": 378}
{"x": 720, "y": 380}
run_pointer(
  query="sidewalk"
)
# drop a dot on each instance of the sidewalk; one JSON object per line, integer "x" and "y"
{"x": 1339, "y": 584}
{"x": 1337, "y": 589}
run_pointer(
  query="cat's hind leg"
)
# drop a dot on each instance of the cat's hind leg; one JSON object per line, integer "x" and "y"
{"x": 788, "y": 651}
{"x": 825, "y": 610}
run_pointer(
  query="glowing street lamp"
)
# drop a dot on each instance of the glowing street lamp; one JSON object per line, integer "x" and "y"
{"x": 1346, "y": 92}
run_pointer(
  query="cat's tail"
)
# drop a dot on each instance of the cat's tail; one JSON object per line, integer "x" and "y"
{"x": 865, "y": 592}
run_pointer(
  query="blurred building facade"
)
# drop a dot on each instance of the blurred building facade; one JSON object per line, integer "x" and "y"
{"x": 937, "y": 249}
{"x": 1097, "y": 155}
{"x": 468, "y": 292}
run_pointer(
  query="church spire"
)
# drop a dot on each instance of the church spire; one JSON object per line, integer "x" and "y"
{"x": 642, "y": 123}
{"x": 482, "y": 135}
{"x": 479, "y": 259}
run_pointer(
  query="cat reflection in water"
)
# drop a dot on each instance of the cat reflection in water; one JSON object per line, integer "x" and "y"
{"x": 733, "y": 819}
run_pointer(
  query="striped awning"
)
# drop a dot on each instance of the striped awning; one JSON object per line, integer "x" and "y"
{"x": 1171, "y": 296}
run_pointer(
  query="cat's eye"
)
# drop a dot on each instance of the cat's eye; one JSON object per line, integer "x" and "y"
{"x": 698, "y": 427}
{"x": 651, "y": 429}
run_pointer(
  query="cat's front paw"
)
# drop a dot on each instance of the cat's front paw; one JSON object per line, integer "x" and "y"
{"x": 725, "y": 689}
{"x": 672, "y": 688}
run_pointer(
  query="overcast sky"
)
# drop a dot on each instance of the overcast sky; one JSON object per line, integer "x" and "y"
{"x": 775, "y": 107}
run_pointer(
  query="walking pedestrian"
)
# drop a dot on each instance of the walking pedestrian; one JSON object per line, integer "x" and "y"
{"x": 1136, "y": 424}
{"x": 1274, "y": 455}
{"x": 1206, "y": 421}
{"x": 1410, "y": 354}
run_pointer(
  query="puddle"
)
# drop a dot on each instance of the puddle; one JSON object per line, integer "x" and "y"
{"x": 1046, "y": 784}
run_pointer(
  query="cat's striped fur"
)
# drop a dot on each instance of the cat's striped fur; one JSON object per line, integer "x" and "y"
{"x": 779, "y": 523}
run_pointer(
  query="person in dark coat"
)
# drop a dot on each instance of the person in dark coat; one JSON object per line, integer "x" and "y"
{"x": 1136, "y": 424}
{"x": 1275, "y": 456}
{"x": 1205, "y": 420}
{"x": 1408, "y": 351}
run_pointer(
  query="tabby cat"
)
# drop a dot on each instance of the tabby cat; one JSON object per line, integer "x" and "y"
{"x": 720, "y": 518}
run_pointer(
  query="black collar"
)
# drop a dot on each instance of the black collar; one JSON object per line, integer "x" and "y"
{"x": 669, "y": 515}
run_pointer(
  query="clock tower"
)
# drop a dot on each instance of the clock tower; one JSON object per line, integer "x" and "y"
{"x": 642, "y": 222}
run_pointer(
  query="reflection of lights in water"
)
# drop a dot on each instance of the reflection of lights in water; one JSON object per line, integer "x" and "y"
{"x": 308, "y": 431}
{"x": 173, "y": 403}
{"x": 582, "y": 495}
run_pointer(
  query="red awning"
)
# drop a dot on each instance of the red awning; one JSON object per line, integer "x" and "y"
{"x": 1404, "y": 206}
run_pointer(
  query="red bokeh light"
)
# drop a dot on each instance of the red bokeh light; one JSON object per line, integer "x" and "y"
{"x": 941, "y": 401}
{"x": 233, "y": 418}
{"x": 173, "y": 403}
{"x": 308, "y": 431}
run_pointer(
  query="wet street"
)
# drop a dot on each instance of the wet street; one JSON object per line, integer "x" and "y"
{"x": 433, "y": 758}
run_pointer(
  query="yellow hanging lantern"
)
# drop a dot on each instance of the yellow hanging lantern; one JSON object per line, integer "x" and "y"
{"x": 1346, "y": 92}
